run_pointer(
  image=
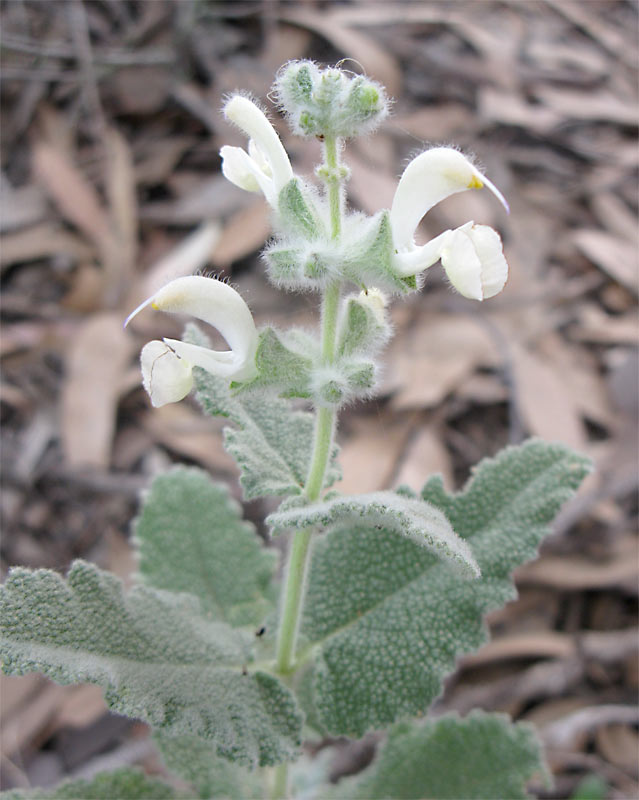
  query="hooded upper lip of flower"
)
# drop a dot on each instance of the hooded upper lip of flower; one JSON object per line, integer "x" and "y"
{"x": 167, "y": 365}
{"x": 266, "y": 166}
{"x": 466, "y": 252}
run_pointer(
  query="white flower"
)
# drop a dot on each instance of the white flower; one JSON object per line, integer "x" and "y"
{"x": 471, "y": 255}
{"x": 266, "y": 166}
{"x": 167, "y": 365}
{"x": 474, "y": 261}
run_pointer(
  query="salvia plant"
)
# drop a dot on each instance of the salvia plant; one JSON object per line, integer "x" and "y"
{"x": 232, "y": 664}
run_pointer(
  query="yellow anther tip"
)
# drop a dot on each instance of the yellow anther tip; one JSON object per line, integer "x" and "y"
{"x": 475, "y": 183}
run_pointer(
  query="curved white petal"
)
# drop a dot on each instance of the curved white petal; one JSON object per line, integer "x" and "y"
{"x": 474, "y": 261}
{"x": 247, "y": 116}
{"x": 166, "y": 366}
{"x": 166, "y": 377}
{"x": 216, "y": 303}
{"x": 494, "y": 267}
{"x": 428, "y": 179}
{"x": 239, "y": 168}
{"x": 225, "y": 363}
{"x": 416, "y": 259}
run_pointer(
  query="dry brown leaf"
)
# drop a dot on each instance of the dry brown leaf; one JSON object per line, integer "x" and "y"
{"x": 21, "y": 207}
{"x": 435, "y": 123}
{"x": 510, "y": 108}
{"x": 31, "y": 720}
{"x": 181, "y": 429}
{"x": 615, "y": 215}
{"x": 370, "y": 187}
{"x": 243, "y": 234}
{"x": 376, "y": 61}
{"x": 16, "y": 690}
{"x": 72, "y": 193}
{"x": 87, "y": 290}
{"x": 546, "y": 405}
{"x": 595, "y": 26}
{"x": 97, "y": 359}
{"x": 597, "y": 326}
{"x": 617, "y": 258}
{"x": 369, "y": 455}
{"x": 424, "y": 456}
{"x": 556, "y": 709}
{"x": 159, "y": 157}
{"x": 435, "y": 357}
{"x": 581, "y": 376}
{"x": 601, "y": 105}
{"x": 191, "y": 255}
{"x": 121, "y": 193}
{"x": 573, "y": 573}
{"x": 283, "y": 43}
{"x": 211, "y": 198}
{"x": 571, "y": 731}
{"x": 538, "y": 644}
{"x": 81, "y": 706}
{"x": 619, "y": 744}
{"x": 42, "y": 241}
{"x": 484, "y": 389}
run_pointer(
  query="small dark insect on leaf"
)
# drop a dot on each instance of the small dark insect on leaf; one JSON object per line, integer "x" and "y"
{"x": 261, "y": 631}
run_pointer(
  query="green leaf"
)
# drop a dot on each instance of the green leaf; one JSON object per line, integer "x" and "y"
{"x": 418, "y": 521}
{"x": 195, "y": 761}
{"x": 154, "y": 655}
{"x": 280, "y": 367}
{"x": 272, "y": 443}
{"x": 484, "y": 757}
{"x": 121, "y": 784}
{"x": 372, "y": 260}
{"x": 390, "y": 619}
{"x": 297, "y": 213}
{"x": 188, "y": 520}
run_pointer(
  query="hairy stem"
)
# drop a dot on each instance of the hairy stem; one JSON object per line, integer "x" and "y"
{"x": 280, "y": 782}
{"x": 292, "y": 600}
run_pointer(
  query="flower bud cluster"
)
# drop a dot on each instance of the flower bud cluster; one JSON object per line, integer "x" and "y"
{"x": 329, "y": 102}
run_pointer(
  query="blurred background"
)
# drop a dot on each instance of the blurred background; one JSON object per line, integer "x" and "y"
{"x": 111, "y": 186}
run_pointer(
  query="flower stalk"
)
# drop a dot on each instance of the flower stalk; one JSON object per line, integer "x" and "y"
{"x": 322, "y": 443}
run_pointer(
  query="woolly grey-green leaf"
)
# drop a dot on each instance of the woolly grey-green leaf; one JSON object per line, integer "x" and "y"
{"x": 154, "y": 655}
{"x": 297, "y": 213}
{"x": 361, "y": 330}
{"x": 195, "y": 761}
{"x": 272, "y": 443}
{"x": 279, "y": 366}
{"x": 481, "y": 757}
{"x": 418, "y": 521}
{"x": 390, "y": 618}
{"x": 121, "y": 784}
{"x": 188, "y": 520}
{"x": 371, "y": 262}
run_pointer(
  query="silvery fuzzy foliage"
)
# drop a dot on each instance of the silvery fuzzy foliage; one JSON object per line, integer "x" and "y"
{"x": 154, "y": 654}
{"x": 195, "y": 761}
{"x": 481, "y": 756}
{"x": 131, "y": 784}
{"x": 187, "y": 519}
{"x": 284, "y": 363}
{"x": 271, "y": 443}
{"x": 363, "y": 256}
{"x": 329, "y": 102}
{"x": 420, "y": 522}
{"x": 389, "y": 619}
